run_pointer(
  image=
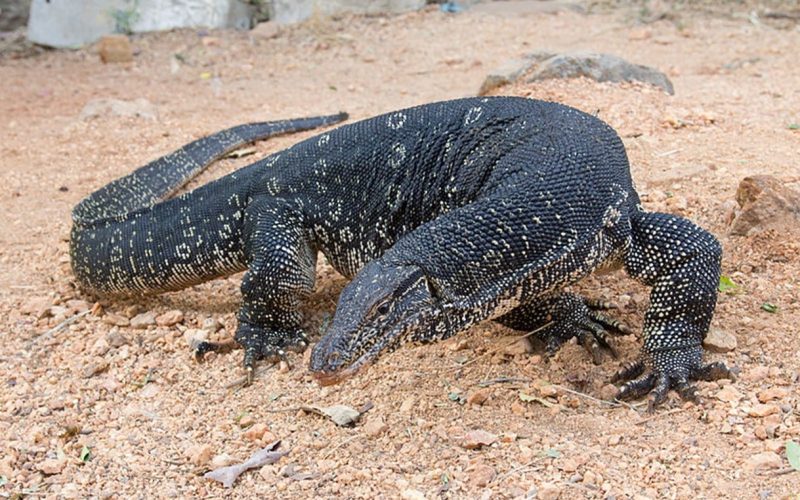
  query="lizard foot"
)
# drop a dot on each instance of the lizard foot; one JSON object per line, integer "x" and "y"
{"x": 668, "y": 369}
{"x": 258, "y": 344}
{"x": 575, "y": 316}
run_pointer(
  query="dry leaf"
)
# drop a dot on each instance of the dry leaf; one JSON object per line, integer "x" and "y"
{"x": 227, "y": 475}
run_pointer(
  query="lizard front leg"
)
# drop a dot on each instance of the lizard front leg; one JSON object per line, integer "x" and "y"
{"x": 562, "y": 316}
{"x": 681, "y": 262}
{"x": 281, "y": 273}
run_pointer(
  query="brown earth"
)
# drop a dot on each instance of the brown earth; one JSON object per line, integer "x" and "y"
{"x": 150, "y": 418}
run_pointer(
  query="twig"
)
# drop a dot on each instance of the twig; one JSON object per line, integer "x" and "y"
{"x": 658, "y": 415}
{"x": 62, "y": 325}
{"x": 613, "y": 404}
{"x": 502, "y": 380}
{"x": 667, "y": 153}
{"x": 239, "y": 382}
{"x": 514, "y": 470}
{"x": 780, "y": 472}
{"x": 516, "y": 339}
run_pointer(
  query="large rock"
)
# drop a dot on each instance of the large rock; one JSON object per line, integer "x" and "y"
{"x": 73, "y": 24}
{"x": 765, "y": 203}
{"x": 599, "y": 67}
{"x": 294, "y": 11}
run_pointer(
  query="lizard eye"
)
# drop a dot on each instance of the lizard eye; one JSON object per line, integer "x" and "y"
{"x": 383, "y": 309}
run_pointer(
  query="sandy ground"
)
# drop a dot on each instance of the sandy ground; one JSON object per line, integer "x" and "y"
{"x": 103, "y": 409}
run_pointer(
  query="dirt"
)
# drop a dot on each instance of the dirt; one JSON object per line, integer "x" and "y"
{"x": 102, "y": 409}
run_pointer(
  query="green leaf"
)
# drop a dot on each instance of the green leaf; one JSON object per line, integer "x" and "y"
{"x": 726, "y": 285}
{"x": 457, "y": 397}
{"x": 86, "y": 454}
{"x": 793, "y": 454}
{"x": 769, "y": 307}
{"x": 793, "y": 126}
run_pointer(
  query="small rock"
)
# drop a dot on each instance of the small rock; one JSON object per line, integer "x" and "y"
{"x": 478, "y": 438}
{"x": 116, "y": 339}
{"x": 518, "y": 348}
{"x": 222, "y": 460}
{"x": 375, "y": 427}
{"x": 149, "y": 391}
{"x": 763, "y": 410}
{"x": 52, "y": 466}
{"x": 757, "y": 373}
{"x": 143, "y": 320}
{"x": 246, "y": 421}
{"x": 763, "y": 461}
{"x": 772, "y": 394}
{"x": 729, "y": 394}
{"x": 598, "y": 67}
{"x": 266, "y": 30}
{"x": 719, "y": 341}
{"x": 56, "y": 311}
{"x": 212, "y": 325}
{"x": 116, "y": 320}
{"x": 545, "y": 389}
{"x": 38, "y": 307}
{"x": 608, "y": 392}
{"x": 200, "y": 454}
{"x": 411, "y": 494}
{"x": 170, "y": 318}
{"x": 517, "y": 408}
{"x": 479, "y": 397}
{"x": 115, "y": 49}
{"x": 255, "y": 432}
{"x": 408, "y": 405}
{"x": 77, "y": 305}
{"x": 93, "y": 368}
{"x": 766, "y": 203}
{"x": 482, "y": 475}
{"x": 640, "y": 34}
{"x": 548, "y": 491}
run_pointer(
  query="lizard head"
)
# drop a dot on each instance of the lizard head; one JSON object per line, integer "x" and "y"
{"x": 383, "y": 307}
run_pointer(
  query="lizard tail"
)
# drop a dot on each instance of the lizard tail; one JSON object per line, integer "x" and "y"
{"x": 160, "y": 178}
{"x": 128, "y": 238}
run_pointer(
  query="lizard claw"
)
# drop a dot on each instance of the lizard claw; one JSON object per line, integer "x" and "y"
{"x": 578, "y": 317}
{"x": 668, "y": 369}
{"x": 263, "y": 344}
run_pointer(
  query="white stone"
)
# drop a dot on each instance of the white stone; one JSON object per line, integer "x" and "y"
{"x": 294, "y": 11}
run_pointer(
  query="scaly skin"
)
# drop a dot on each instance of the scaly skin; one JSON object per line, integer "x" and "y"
{"x": 557, "y": 204}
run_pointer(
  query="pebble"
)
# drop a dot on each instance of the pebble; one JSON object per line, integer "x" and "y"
{"x": 255, "y": 432}
{"x": 37, "y": 306}
{"x": 116, "y": 320}
{"x": 116, "y": 339}
{"x": 478, "y": 438}
{"x": 222, "y": 460}
{"x": 482, "y": 475}
{"x": 772, "y": 394}
{"x": 729, "y": 394}
{"x": 517, "y": 408}
{"x": 115, "y": 49}
{"x": 763, "y": 410}
{"x": 266, "y": 30}
{"x": 479, "y": 397}
{"x": 200, "y": 454}
{"x": 548, "y": 491}
{"x": 170, "y": 318}
{"x": 608, "y": 392}
{"x": 412, "y": 494}
{"x": 195, "y": 335}
{"x": 93, "y": 368}
{"x": 763, "y": 461}
{"x": 52, "y": 466}
{"x": 719, "y": 341}
{"x": 143, "y": 320}
{"x": 757, "y": 373}
{"x": 212, "y": 325}
{"x": 408, "y": 405}
{"x": 375, "y": 427}
{"x": 246, "y": 421}
{"x": 78, "y": 305}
